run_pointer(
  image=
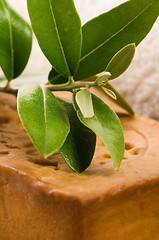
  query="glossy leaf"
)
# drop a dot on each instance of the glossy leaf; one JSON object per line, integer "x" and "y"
{"x": 103, "y": 79}
{"x": 15, "y": 41}
{"x": 121, "y": 61}
{"x": 106, "y": 34}
{"x": 57, "y": 27}
{"x": 106, "y": 125}
{"x": 79, "y": 147}
{"x": 120, "y": 100}
{"x": 56, "y": 78}
{"x": 110, "y": 93}
{"x": 84, "y": 102}
{"x": 43, "y": 117}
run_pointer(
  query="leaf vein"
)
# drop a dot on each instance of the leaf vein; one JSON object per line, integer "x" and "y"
{"x": 107, "y": 40}
{"x": 45, "y": 117}
{"x": 58, "y": 35}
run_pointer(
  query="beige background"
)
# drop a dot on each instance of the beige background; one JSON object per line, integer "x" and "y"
{"x": 140, "y": 83}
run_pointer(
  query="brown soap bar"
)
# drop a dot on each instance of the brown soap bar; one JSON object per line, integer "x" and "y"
{"x": 47, "y": 201}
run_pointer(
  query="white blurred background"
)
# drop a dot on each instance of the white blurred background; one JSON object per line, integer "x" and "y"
{"x": 140, "y": 83}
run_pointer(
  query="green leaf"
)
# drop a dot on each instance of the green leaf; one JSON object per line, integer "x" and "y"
{"x": 103, "y": 79}
{"x": 84, "y": 102}
{"x": 106, "y": 34}
{"x": 15, "y": 41}
{"x": 120, "y": 100}
{"x": 79, "y": 147}
{"x": 56, "y": 78}
{"x": 110, "y": 93}
{"x": 121, "y": 61}
{"x": 106, "y": 125}
{"x": 43, "y": 117}
{"x": 57, "y": 27}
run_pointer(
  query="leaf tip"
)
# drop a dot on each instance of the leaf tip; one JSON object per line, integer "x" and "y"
{"x": 131, "y": 111}
{"x": 117, "y": 168}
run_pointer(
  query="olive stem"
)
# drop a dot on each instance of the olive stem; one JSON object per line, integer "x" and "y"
{"x": 70, "y": 86}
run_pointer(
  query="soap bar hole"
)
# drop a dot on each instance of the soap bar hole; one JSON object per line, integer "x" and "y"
{"x": 4, "y": 152}
{"x": 107, "y": 155}
{"x": 128, "y": 146}
{"x": 4, "y": 119}
{"x": 136, "y": 151}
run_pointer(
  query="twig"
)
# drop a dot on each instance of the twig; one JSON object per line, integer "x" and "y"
{"x": 58, "y": 87}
